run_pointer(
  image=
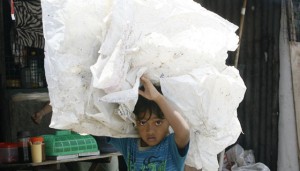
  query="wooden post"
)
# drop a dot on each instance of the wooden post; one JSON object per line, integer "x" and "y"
{"x": 295, "y": 63}
{"x": 243, "y": 12}
{"x": 2, "y": 61}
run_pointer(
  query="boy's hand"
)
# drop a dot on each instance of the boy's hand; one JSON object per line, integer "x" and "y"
{"x": 150, "y": 91}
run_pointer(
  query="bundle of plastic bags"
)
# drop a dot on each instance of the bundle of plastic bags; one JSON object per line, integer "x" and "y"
{"x": 96, "y": 51}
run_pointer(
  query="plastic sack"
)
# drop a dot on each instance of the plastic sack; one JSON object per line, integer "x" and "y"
{"x": 211, "y": 116}
{"x": 238, "y": 159}
{"x": 93, "y": 71}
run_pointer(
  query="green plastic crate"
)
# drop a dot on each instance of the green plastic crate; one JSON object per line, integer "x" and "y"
{"x": 68, "y": 143}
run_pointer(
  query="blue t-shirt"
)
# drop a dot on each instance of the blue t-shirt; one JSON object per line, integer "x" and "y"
{"x": 162, "y": 157}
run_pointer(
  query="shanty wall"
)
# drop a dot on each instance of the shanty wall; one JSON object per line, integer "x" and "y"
{"x": 258, "y": 64}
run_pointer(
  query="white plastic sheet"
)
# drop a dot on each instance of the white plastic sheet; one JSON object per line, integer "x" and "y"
{"x": 96, "y": 51}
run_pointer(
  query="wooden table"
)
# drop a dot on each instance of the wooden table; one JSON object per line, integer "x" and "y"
{"x": 102, "y": 158}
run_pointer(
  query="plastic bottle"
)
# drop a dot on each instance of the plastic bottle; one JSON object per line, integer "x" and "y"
{"x": 39, "y": 141}
{"x": 24, "y": 149}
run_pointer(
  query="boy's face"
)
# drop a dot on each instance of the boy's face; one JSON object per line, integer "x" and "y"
{"x": 152, "y": 130}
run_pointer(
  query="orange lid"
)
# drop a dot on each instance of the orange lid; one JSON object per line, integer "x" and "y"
{"x": 36, "y": 139}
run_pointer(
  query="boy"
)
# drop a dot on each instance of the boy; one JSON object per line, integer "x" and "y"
{"x": 156, "y": 149}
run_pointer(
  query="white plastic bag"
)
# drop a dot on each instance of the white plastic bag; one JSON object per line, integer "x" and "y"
{"x": 238, "y": 159}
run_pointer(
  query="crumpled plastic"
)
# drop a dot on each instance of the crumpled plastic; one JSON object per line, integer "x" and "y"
{"x": 238, "y": 159}
{"x": 96, "y": 52}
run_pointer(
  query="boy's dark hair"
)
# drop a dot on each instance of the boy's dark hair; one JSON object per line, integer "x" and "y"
{"x": 144, "y": 105}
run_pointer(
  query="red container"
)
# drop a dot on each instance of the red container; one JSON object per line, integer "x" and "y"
{"x": 9, "y": 152}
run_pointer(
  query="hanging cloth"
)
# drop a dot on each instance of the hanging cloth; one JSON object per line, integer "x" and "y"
{"x": 29, "y": 27}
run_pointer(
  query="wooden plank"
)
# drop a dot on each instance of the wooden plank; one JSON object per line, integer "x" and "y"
{"x": 49, "y": 162}
{"x": 54, "y": 162}
{"x": 295, "y": 63}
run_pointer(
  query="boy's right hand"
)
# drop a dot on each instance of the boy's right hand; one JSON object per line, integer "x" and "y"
{"x": 150, "y": 91}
